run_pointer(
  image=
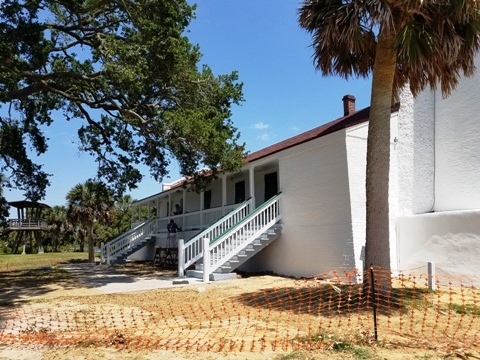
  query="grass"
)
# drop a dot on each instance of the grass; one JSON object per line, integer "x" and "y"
{"x": 9, "y": 262}
{"x": 468, "y": 309}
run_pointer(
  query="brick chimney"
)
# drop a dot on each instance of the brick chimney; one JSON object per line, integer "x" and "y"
{"x": 348, "y": 104}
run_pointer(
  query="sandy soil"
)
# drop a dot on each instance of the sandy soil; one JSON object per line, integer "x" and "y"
{"x": 64, "y": 292}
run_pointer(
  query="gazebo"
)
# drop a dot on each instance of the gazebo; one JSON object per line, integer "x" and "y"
{"x": 28, "y": 225}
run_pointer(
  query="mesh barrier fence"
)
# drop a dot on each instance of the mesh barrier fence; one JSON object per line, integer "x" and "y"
{"x": 311, "y": 314}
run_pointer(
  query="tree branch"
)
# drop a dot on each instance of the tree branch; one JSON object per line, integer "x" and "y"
{"x": 106, "y": 140}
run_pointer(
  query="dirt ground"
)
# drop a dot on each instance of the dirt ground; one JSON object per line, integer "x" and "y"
{"x": 63, "y": 292}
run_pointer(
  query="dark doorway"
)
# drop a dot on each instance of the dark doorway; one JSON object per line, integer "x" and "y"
{"x": 239, "y": 192}
{"x": 207, "y": 199}
{"x": 271, "y": 185}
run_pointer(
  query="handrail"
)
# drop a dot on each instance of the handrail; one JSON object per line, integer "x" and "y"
{"x": 123, "y": 241}
{"x": 192, "y": 251}
{"x": 126, "y": 240}
{"x": 224, "y": 247}
{"x": 27, "y": 223}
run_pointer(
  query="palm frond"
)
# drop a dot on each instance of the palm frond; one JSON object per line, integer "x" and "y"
{"x": 435, "y": 40}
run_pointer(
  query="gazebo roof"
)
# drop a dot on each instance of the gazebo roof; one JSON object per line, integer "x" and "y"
{"x": 24, "y": 204}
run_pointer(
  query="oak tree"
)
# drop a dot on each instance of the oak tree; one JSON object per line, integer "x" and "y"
{"x": 127, "y": 74}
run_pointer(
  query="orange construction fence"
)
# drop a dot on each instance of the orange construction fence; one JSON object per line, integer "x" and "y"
{"x": 315, "y": 313}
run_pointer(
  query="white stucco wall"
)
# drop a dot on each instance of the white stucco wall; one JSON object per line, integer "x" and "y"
{"x": 439, "y": 151}
{"x": 450, "y": 239}
{"x": 457, "y": 157}
{"x": 439, "y": 176}
{"x": 356, "y": 141}
{"x": 317, "y": 236}
{"x": 415, "y": 153}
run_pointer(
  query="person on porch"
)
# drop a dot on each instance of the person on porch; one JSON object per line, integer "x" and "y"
{"x": 178, "y": 210}
{"x": 172, "y": 229}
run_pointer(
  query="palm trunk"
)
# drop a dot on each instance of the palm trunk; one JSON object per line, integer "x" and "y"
{"x": 91, "y": 255}
{"x": 81, "y": 241}
{"x": 377, "y": 247}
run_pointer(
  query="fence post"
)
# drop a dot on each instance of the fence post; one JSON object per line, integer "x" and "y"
{"x": 102, "y": 248}
{"x": 206, "y": 259}
{"x": 108, "y": 253}
{"x": 372, "y": 285}
{"x": 181, "y": 258}
{"x": 431, "y": 276}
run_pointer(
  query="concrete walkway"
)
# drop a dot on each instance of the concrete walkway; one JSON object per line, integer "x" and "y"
{"x": 111, "y": 280}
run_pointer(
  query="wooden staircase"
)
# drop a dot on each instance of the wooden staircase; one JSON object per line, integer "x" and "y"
{"x": 226, "y": 270}
{"x": 233, "y": 247}
{"x": 118, "y": 249}
{"x": 135, "y": 246}
{"x": 223, "y": 246}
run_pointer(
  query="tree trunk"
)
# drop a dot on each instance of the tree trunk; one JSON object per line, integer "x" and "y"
{"x": 16, "y": 243}
{"x": 54, "y": 245}
{"x": 81, "y": 240}
{"x": 91, "y": 254}
{"x": 377, "y": 247}
{"x": 39, "y": 241}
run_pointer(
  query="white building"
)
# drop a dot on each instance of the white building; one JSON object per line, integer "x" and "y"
{"x": 439, "y": 180}
{"x": 317, "y": 223}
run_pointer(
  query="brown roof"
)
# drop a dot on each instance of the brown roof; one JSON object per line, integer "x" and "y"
{"x": 344, "y": 122}
{"x": 28, "y": 204}
{"x": 356, "y": 118}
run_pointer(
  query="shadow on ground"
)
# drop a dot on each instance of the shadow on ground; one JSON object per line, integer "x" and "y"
{"x": 19, "y": 285}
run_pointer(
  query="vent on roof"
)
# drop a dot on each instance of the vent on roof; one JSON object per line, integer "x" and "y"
{"x": 348, "y": 104}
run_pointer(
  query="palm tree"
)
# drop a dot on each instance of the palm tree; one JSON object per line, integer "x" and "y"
{"x": 87, "y": 204}
{"x": 57, "y": 224}
{"x": 418, "y": 43}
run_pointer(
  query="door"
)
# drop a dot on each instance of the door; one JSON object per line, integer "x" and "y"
{"x": 207, "y": 199}
{"x": 239, "y": 192}
{"x": 271, "y": 185}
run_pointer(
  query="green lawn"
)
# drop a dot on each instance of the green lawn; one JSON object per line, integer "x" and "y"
{"x": 16, "y": 262}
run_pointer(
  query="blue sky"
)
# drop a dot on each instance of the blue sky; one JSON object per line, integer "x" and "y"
{"x": 284, "y": 95}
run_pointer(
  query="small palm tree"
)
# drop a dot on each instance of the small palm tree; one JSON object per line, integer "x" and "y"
{"x": 415, "y": 43}
{"x": 57, "y": 224}
{"x": 88, "y": 203}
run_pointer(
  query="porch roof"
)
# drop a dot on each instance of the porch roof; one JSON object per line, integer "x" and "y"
{"x": 25, "y": 204}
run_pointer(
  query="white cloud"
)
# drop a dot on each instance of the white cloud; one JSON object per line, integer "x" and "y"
{"x": 261, "y": 126}
{"x": 264, "y": 137}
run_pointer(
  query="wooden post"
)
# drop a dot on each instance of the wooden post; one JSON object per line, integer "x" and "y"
{"x": 181, "y": 258}
{"x": 431, "y": 276}
{"x": 206, "y": 259}
{"x": 102, "y": 248}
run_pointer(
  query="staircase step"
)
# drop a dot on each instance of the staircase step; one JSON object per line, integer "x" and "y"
{"x": 213, "y": 277}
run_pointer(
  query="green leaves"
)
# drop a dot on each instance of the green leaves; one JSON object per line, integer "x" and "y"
{"x": 128, "y": 72}
{"x": 435, "y": 41}
{"x": 87, "y": 204}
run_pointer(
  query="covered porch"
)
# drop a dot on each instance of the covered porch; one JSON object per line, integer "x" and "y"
{"x": 257, "y": 182}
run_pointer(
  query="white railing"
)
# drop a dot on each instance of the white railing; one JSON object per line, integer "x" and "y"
{"x": 227, "y": 245}
{"x": 192, "y": 251}
{"x": 187, "y": 221}
{"x": 197, "y": 220}
{"x": 118, "y": 245}
{"x": 27, "y": 224}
